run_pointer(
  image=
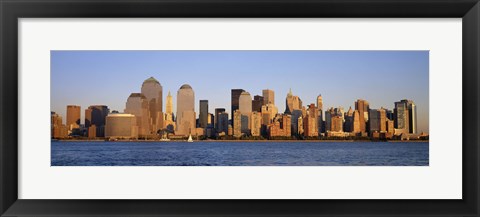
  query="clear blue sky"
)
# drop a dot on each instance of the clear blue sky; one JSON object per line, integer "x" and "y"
{"x": 108, "y": 77}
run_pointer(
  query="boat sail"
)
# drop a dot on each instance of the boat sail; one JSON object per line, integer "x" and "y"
{"x": 190, "y": 138}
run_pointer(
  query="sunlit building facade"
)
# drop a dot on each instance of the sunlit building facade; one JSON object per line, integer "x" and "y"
{"x": 235, "y": 100}
{"x": 121, "y": 126}
{"x": 185, "y": 110}
{"x": 153, "y": 92}
{"x": 362, "y": 106}
{"x": 292, "y": 103}
{"x": 73, "y": 116}
{"x": 268, "y": 97}
{"x": 138, "y": 105}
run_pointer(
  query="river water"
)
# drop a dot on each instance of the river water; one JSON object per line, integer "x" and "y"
{"x": 198, "y": 153}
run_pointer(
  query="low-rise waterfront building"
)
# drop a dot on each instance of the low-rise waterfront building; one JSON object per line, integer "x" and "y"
{"x": 121, "y": 126}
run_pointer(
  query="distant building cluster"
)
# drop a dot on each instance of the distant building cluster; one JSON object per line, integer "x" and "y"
{"x": 251, "y": 118}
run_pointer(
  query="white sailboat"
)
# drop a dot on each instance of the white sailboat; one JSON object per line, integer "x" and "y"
{"x": 190, "y": 138}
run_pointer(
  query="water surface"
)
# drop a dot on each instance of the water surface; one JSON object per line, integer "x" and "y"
{"x": 87, "y": 153}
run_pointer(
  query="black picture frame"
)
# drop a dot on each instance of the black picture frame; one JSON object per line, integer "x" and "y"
{"x": 12, "y": 10}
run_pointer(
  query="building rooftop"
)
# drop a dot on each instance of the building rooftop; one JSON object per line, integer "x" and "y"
{"x": 185, "y": 86}
{"x": 138, "y": 95}
{"x": 151, "y": 80}
{"x": 290, "y": 92}
{"x": 120, "y": 115}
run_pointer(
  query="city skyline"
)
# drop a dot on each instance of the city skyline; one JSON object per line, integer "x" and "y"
{"x": 337, "y": 75}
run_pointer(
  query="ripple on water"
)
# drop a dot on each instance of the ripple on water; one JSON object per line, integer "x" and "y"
{"x": 240, "y": 154}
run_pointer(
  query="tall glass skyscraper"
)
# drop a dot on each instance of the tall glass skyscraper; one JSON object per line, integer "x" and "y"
{"x": 412, "y": 116}
{"x": 401, "y": 117}
{"x": 406, "y": 116}
{"x": 203, "y": 116}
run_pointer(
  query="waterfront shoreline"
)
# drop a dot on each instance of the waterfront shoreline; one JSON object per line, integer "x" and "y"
{"x": 263, "y": 141}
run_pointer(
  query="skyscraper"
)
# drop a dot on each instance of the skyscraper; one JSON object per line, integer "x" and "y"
{"x": 169, "y": 107}
{"x": 348, "y": 126}
{"x": 58, "y": 130}
{"x": 55, "y": 120}
{"x": 292, "y": 103}
{"x": 328, "y": 119}
{"x": 339, "y": 111}
{"x": 300, "y": 126}
{"x": 383, "y": 119}
{"x": 269, "y": 110}
{"x": 203, "y": 116}
{"x": 405, "y": 115}
{"x": 310, "y": 126}
{"x": 185, "y": 110}
{"x": 390, "y": 127}
{"x": 169, "y": 120}
{"x": 245, "y": 103}
{"x": 362, "y": 106}
{"x": 256, "y": 123}
{"x": 268, "y": 97}
{"x": 137, "y": 104}
{"x": 320, "y": 113}
{"x": 297, "y": 127}
{"x": 412, "y": 117}
{"x": 245, "y": 108}
{"x": 312, "y": 110}
{"x": 235, "y": 99}
{"x": 390, "y": 114}
{"x": 401, "y": 117}
{"x": 356, "y": 122}
{"x": 281, "y": 126}
{"x": 95, "y": 115}
{"x": 211, "y": 121}
{"x": 336, "y": 124}
{"x": 237, "y": 123}
{"x": 153, "y": 91}
{"x": 374, "y": 116}
{"x": 319, "y": 102}
{"x": 218, "y": 111}
{"x": 73, "y": 116}
{"x": 310, "y": 121}
{"x": 268, "y": 113}
{"x": 88, "y": 117}
{"x": 222, "y": 122}
{"x": 257, "y": 103}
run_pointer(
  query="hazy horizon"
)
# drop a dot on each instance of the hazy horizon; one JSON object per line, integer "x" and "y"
{"x": 108, "y": 77}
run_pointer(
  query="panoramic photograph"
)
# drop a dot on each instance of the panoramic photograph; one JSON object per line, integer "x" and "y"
{"x": 239, "y": 108}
